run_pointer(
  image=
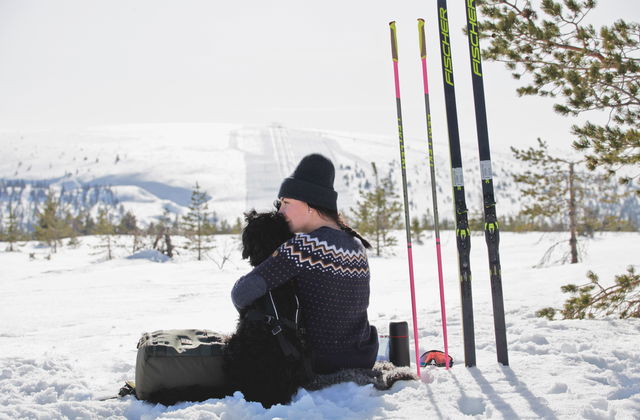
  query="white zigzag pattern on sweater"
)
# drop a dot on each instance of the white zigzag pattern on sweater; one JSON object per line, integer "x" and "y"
{"x": 316, "y": 243}
{"x": 316, "y": 246}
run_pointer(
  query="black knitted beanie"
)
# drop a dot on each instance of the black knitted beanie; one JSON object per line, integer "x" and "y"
{"x": 312, "y": 182}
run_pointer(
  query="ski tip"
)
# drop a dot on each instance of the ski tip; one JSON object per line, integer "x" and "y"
{"x": 420, "y": 20}
{"x": 392, "y": 24}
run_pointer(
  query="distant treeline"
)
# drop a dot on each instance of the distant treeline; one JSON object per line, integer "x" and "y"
{"x": 23, "y": 200}
{"x": 50, "y": 215}
{"x": 56, "y": 219}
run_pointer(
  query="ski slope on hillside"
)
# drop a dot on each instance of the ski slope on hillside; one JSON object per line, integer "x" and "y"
{"x": 152, "y": 167}
{"x": 70, "y": 326}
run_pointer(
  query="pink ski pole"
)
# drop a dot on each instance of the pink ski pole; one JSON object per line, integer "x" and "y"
{"x": 407, "y": 219}
{"x": 436, "y": 227}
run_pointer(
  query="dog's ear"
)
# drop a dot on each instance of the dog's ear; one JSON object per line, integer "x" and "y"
{"x": 246, "y": 233}
{"x": 250, "y": 215}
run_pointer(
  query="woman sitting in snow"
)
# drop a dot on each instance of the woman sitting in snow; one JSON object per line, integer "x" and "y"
{"x": 328, "y": 261}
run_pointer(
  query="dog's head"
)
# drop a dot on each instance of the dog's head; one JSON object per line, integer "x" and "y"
{"x": 262, "y": 235}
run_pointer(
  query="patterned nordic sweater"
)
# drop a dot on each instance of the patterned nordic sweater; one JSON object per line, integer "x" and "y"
{"x": 331, "y": 272}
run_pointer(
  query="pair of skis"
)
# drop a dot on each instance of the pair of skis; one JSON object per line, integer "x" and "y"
{"x": 491, "y": 227}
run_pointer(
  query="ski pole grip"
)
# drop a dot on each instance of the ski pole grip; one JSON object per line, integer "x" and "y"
{"x": 399, "y": 343}
{"x": 394, "y": 41}
{"x": 421, "y": 39}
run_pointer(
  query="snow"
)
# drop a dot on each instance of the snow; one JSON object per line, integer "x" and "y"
{"x": 70, "y": 325}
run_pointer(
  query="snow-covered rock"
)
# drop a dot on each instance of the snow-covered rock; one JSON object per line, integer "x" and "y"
{"x": 149, "y": 254}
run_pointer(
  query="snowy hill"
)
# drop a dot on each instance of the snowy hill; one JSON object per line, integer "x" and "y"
{"x": 147, "y": 168}
{"x": 70, "y": 326}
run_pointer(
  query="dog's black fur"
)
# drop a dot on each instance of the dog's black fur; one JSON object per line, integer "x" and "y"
{"x": 255, "y": 360}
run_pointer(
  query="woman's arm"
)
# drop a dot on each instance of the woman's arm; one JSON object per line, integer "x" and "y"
{"x": 247, "y": 289}
{"x": 271, "y": 273}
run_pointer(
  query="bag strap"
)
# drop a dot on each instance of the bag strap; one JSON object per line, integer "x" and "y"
{"x": 277, "y": 326}
{"x": 278, "y": 323}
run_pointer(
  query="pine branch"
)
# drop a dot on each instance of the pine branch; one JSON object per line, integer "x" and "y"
{"x": 591, "y": 69}
{"x": 621, "y": 299}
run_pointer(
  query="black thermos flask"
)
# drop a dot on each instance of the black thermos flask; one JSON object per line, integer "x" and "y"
{"x": 399, "y": 343}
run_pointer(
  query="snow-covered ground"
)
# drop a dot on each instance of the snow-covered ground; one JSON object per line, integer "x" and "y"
{"x": 69, "y": 328}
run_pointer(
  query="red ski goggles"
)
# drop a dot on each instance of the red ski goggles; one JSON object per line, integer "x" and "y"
{"x": 435, "y": 358}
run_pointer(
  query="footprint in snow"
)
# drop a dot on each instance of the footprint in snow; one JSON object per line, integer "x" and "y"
{"x": 559, "y": 388}
{"x": 471, "y": 406}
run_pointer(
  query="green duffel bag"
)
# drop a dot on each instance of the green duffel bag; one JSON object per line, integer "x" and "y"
{"x": 180, "y": 365}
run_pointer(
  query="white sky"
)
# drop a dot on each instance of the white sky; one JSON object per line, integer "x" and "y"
{"x": 325, "y": 65}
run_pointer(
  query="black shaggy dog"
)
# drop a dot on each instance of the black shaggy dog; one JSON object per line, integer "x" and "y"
{"x": 266, "y": 358}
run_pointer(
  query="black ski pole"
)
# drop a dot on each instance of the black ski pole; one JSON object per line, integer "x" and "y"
{"x": 491, "y": 228}
{"x": 463, "y": 240}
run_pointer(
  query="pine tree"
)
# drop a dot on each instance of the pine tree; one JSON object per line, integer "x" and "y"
{"x": 2, "y": 234}
{"x": 128, "y": 224}
{"x": 378, "y": 212}
{"x": 89, "y": 225}
{"x": 196, "y": 222}
{"x": 162, "y": 231}
{"x": 77, "y": 225}
{"x": 224, "y": 226}
{"x": 237, "y": 226}
{"x": 554, "y": 189}
{"x": 591, "y": 68}
{"x": 106, "y": 230}
{"x": 51, "y": 227}
{"x": 417, "y": 230}
{"x": 12, "y": 234}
